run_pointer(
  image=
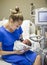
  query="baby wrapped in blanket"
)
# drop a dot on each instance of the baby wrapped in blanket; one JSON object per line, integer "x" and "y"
{"x": 18, "y": 45}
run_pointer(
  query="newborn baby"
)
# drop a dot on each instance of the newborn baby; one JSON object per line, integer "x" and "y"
{"x": 18, "y": 45}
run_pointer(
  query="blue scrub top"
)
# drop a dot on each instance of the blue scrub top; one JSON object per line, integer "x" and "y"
{"x": 8, "y": 38}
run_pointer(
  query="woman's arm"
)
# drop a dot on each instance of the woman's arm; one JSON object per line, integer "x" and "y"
{"x": 6, "y": 52}
{"x": 9, "y": 52}
{"x": 13, "y": 52}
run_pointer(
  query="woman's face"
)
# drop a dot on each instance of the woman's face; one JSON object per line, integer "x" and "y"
{"x": 16, "y": 24}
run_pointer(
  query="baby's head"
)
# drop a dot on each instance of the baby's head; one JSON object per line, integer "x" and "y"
{"x": 27, "y": 42}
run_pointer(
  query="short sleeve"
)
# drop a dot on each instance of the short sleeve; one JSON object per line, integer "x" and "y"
{"x": 1, "y": 39}
{"x": 20, "y": 30}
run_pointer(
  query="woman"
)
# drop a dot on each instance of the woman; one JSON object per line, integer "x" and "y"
{"x": 9, "y": 33}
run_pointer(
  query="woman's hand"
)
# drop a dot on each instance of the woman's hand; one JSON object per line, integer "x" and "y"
{"x": 26, "y": 49}
{"x": 21, "y": 51}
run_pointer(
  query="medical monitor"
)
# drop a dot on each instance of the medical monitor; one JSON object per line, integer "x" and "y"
{"x": 41, "y": 17}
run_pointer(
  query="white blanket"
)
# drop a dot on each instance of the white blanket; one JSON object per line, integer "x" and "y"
{"x": 19, "y": 45}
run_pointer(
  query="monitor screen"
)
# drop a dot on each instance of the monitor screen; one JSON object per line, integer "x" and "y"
{"x": 42, "y": 16}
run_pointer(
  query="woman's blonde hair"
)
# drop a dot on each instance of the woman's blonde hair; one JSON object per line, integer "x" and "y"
{"x": 16, "y": 14}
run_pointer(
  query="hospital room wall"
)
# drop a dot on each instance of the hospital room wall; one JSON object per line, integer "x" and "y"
{"x": 24, "y": 5}
{"x": 0, "y": 8}
{"x": 46, "y": 2}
